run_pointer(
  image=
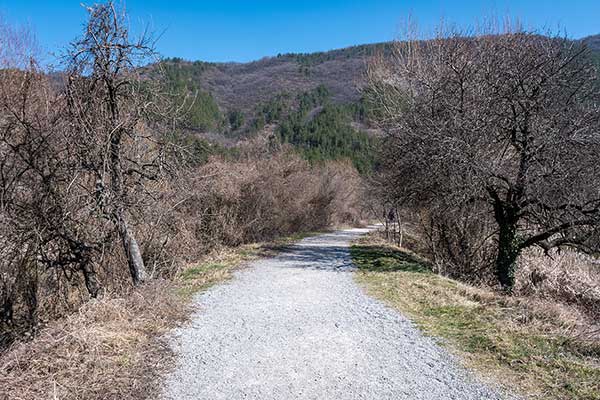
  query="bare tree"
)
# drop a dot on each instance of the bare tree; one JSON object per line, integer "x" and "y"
{"x": 502, "y": 124}
{"x": 108, "y": 104}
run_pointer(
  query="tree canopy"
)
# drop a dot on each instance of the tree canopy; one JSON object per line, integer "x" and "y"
{"x": 504, "y": 125}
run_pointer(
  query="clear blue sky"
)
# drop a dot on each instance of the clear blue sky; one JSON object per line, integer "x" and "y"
{"x": 238, "y": 30}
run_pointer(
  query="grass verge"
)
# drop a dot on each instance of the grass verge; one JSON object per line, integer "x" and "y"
{"x": 113, "y": 348}
{"x": 526, "y": 343}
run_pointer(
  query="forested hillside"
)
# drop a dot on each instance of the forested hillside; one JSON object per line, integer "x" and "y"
{"x": 240, "y": 86}
{"x": 303, "y": 99}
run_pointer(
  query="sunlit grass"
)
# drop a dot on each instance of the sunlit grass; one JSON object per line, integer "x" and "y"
{"x": 482, "y": 326}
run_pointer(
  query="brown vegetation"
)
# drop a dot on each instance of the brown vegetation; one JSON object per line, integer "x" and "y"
{"x": 97, "y": 199}
{"x": 566, "y": 277}
{"x": 259, "y": 196}
{"x": 491, "y": 158}
{"x": 114, "y": 347}
{"x": 490, "y": 176}
{"x": 108, "y": 349}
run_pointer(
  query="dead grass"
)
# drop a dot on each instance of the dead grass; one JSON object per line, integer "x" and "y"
{"x": 114, "y": 348}
{"x": 529, "y": 343}
{"x": 566, "y": 276}
{"x": 107, "y": 350}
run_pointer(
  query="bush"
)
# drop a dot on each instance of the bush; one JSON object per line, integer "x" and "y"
{"x": 458, "y": 242}
{"x": 257, "y": 197}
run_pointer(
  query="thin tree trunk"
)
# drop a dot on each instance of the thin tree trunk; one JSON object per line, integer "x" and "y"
{"x": 6, "y": 308}
{"x": 401, "y": 227}
{"x": 132, "y": 251}
{"x": 130, "y": 245}
{"x": 385, "y": 217}
{"x": 31, "y": 299}
{"x": 399, "y": 223}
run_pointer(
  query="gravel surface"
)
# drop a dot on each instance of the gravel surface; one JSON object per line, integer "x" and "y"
{"x": 297, "y": 326}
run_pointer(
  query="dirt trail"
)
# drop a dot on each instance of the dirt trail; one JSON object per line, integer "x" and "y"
{"x": 298, "y": 327}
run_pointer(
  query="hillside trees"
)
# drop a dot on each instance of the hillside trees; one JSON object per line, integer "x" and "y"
{"x": 323, "y": 131}
{"x": 497, "y": 135}
{"x": 236, "y": 119}
{"x": 318, "y": 128}
{"x": 328, "y": 136}
{"x": 198, "y": 108}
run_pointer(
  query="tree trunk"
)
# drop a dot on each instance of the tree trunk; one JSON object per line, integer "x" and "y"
{"x": 508, "y": 252}
{"x": 130, "y": 245}
{"x": 91, "y": 281}
{"x": 401, "y": 235}
{"x": 132, "y": 251}
{"x": 509, "y": 246}
{"x": 31, "y": 299}
{"x": 385, "y": 218}
{"x": 400, "y": 230}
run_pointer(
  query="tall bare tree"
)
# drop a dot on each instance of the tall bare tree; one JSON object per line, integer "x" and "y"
{"x": 108, "y": 103}
{"x": 504, "y": 124}
{"x": 76, "y": 160}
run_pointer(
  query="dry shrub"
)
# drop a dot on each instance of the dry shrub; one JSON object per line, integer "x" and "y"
{"x": 457, "y": 240}
{"x": 524, "y": 311}
{"x": 259, "y": 196}
{"x": 567, "y": 276}
{"x": 107, "y": 350}
{"x": 456, "y": 243}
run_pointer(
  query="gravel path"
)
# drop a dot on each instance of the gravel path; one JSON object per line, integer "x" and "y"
{"x": 298, "y": 327}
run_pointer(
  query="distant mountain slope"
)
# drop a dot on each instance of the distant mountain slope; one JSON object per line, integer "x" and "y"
{"x": 237, "y": 86}
{"x": 593, "y": 42}
{"x": 243, "y": 86}
{"x": 231, "y": 98}
{"x": 311, "y": 101}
